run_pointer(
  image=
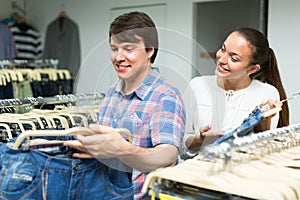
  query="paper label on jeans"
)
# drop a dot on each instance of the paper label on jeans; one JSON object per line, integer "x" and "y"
{"x": 24, "y": 177}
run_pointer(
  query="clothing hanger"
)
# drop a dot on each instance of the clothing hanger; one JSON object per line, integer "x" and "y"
{"x": 56, "y": 113}
{"x": 25, "y": 73}
{"x": 43, "y": 119}
{"x": 2, "y": 80}
{"x": 258, "y": 169}
{"x": 61, "y": 18}
{"x": 276, "y": 109}
{"x": 67, "y": 132}
{"x": 6, "y": 74}
{"x": 18, "y": 17}
{"x": 13, "y": 121}
{"x": 27, "y": 117}
{"x": 60, "y": 74}
{"x": 8, "y": 131}
{"x": 62, "y": 14}
{"x": 59, "y": 121}
{"x": 254, "y": 146}
{"x": 36, "y": 75}
{"x": 28, "y": 122}
{"x": 236, "y": 181}
{"x": 89, "y": 111}
{"x": 223, "y": 182}
{"x": 277, "y": 147}
{"x": 67, "y": 74}
{"x": 68, "y": 116}
{"x": 255, "y": 117}
{"x": 52, "y": 75}
{"x": 276, "y": 179}
{"x": 21, "y": 122}
{"x": 80, "y": 120}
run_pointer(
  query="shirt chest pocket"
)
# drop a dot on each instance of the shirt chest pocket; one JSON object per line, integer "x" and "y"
{"x": 129, "y": 120}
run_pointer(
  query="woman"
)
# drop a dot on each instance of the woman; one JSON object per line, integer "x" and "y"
{"x": 246, "y": 75}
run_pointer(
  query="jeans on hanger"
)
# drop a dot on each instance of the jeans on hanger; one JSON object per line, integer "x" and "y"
{"x": 248, "y": 124}
{"x": 36, "y": 175}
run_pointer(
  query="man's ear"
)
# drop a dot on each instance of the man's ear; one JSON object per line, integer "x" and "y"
{"x": 150, "y": 52}
{"x": 253, "y": 69}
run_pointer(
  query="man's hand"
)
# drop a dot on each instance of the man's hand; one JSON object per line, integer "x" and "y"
{"x": 106, "y": 144}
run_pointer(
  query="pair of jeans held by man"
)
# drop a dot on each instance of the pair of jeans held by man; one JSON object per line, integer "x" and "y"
{"x": 35, "y": 175}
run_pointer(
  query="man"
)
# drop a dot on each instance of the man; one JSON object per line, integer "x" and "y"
{"x": 141, "y": 101}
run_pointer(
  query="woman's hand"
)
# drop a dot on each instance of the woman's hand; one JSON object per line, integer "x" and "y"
{"x": 269, "y": 109}
{"x": 194, "y": 143}
{"x": 273, "y": 107}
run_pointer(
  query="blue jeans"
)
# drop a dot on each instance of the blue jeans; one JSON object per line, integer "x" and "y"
{"x": 35, "y": 175}
{"x": 254, "y": 118}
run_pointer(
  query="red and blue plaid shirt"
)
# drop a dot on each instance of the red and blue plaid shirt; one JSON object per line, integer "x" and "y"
{"x": 154, "y": 113}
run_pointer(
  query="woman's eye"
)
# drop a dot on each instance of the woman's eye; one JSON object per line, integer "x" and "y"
{"x": 234, "y": 59}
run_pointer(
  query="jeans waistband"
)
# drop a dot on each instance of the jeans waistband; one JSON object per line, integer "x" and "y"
{"x": 45, "y": 161}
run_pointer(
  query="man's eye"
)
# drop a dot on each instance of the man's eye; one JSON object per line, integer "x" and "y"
{"x": 114, "y": 48}
{"x": 128, "y": 49}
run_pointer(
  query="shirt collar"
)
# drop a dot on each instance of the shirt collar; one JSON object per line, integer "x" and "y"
{"x": 144, "y": 87}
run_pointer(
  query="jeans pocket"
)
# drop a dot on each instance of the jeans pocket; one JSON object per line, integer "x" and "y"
{"x": 19, "y": 177}
{"x": 118, "y": 182}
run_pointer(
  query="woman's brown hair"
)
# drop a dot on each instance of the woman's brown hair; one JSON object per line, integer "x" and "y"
{"x": 263, "y": 55}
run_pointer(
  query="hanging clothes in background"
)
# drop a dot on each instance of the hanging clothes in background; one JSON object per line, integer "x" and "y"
{"x": 9, "y": 21}
{"x": 62, "y": 43}
{"x": 23, "y": 78}
{"x": 14, "y": 18}
{"x": 27, "y": 38}
{"x": 7, "y": 44}
{"x": 28, "y": 41}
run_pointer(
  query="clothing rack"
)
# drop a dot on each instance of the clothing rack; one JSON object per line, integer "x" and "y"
{"x": 34, "y": 78}
{"x": 33, "y": 114}
{"x": 11, "y": 103}
{"x": 258, "y": 166}
{"x": 238, "y": 142}
{"x": 70, "y": 98}
{"x": 58, "y": 99}
{"x": 35, "y": 140}
{"x": 39, "y": 63}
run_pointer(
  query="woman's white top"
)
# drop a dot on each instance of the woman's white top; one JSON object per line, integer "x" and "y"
{"x": 207, "y": 103}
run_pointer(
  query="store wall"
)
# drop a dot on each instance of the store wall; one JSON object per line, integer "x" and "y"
{"x": 94, "y": 16}
{"x": 283, "y": 33}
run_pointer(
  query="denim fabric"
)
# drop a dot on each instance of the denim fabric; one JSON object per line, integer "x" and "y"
{"x": 245, "y": 128}
{"x": 35, "y": 175}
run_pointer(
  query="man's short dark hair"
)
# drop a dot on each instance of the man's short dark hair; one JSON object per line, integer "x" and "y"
{"x": 127, "y": 26}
